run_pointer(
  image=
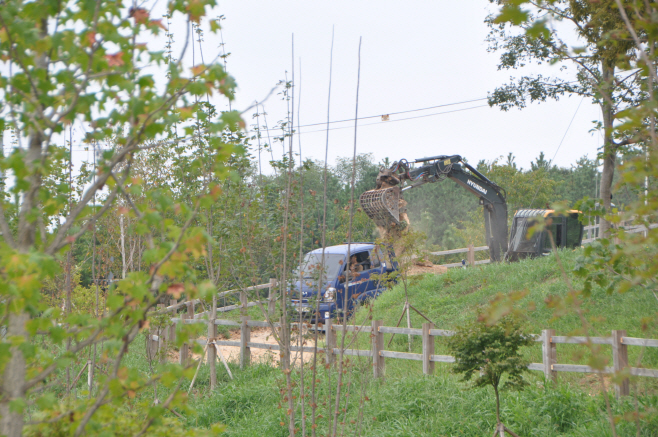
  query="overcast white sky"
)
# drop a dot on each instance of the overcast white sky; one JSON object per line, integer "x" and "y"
{"x": 414, "y": 55}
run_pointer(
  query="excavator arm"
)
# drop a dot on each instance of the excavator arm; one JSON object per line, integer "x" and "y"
{"x": 383, "y": 204}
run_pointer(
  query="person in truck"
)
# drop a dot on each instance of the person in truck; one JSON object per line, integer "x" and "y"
{"x": 355, "y": 266}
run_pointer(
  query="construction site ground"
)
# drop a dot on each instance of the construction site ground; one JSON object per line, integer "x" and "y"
{"x": 263, "y": 336}
{"x": 425, "y": 268}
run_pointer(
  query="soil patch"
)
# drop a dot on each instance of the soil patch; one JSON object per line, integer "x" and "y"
{"x": 424, "y": 269}
{"x": 262, "y": 355}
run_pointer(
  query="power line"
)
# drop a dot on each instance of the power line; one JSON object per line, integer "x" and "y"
{"x": 558, "y": 148}
{"x": 394, "y": 113}
{"x": 565, "y": 132}
{"x": 400, "y": 119}
{"x": 86, "y": 149}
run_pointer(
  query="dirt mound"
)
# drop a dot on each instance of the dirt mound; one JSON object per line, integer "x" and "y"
{"x": 425, "y": 268}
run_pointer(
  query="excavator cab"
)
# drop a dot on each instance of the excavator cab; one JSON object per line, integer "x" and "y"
{"x": 565, "y": 230}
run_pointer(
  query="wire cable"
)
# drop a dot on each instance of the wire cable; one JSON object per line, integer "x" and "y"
{"x": 400, "y": 119}
{"x": 395, "y": 113}
{"x": 558, "y": 148}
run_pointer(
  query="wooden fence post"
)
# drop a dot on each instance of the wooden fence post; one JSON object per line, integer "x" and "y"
{"x": 164, "y": 330}
{"x": 245, "y": 338}
{"x": 152, "y": 345}
{"x": 172, "y": 327}
{"x": 549, "y": 354}
{"x": 471, "y": 255}
{"x": 90, "y": 375}
{"x": 428, "y": 349}
{"x": 185, "y": 348}
{"x": 162, "y": 346}
{"x": 378, "y": 363}
{"x": 620, "y": 361}
{"x": 330, "y": 340}
{"x": 271, "y": 298}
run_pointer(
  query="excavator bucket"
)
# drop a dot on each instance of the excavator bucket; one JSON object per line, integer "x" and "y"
{"x": 383, "y": 206}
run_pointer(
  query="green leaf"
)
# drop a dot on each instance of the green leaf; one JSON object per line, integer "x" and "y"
{"x": 17, "y": 405}
{"x": 513, "y": 14}
{"x": 47, "y": 401}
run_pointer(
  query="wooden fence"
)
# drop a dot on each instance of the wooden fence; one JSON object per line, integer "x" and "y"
{"x": 590, "y": 233}
{"x": 549, "y": 341}
{"x": 470, "y": 255}
{"x": 160, "y": 337}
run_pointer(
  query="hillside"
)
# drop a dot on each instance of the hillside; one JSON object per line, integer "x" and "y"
{"x": 455, "y": 297}
{"x": 410, "y": 403}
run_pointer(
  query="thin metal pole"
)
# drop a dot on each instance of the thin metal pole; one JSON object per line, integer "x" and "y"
{"x": 349, "y": 249}
{"x": 67, "y": 303}
{"x": 93, "y": 273}
{"x": 324, "y": 245}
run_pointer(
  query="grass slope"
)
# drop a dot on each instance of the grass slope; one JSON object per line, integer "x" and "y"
{"x": 408, "y": 403}
{"x": 454, "y": 298}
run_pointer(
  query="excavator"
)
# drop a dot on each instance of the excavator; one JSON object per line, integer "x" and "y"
{"x": 386, "y": 206}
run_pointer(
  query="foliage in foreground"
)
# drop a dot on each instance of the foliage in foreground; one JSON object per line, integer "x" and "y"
{"x": 409, "y": 403}
{"x": 489, "y": 355}
{"x": 80, "y": 62}
{"x": 414, "y": 404}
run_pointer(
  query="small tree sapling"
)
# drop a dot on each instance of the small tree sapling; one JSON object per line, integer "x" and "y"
{"x": 486, "y": 353}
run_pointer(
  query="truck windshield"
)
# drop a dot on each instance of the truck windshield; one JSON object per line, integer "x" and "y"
{"x": 312, "y": 265}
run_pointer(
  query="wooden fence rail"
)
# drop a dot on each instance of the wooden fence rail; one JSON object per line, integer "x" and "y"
{"x": 161, "y": 336}
{"x": 590, "y": 233}
{"x": 470, "y": 255}
{"x": 549, "y": 341}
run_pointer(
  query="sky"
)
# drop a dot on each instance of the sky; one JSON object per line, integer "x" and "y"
{"x": 413, "y": 55}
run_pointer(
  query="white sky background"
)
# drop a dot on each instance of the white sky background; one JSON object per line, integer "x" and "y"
{"x": 413, "y": 55}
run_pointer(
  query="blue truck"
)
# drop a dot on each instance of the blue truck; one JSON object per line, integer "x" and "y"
{"x": 367, "y": 266}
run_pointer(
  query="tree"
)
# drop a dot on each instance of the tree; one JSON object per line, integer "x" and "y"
{"x": 485, "y": 353}
{"x": 540, "y": 163}
{"x": 524, "y": 32}
{"x": 629, "y": 263}
{"x": 525, "y": 189}
{"x": 73, "y": 62}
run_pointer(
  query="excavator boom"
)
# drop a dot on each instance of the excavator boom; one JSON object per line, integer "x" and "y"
{"x": 385, "y": 205}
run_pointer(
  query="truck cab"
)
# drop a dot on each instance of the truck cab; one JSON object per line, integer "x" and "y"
{"x": 346, "y": 277}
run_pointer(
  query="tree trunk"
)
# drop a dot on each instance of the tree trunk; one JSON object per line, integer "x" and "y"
{"x": 495, "y": 387}
{"x": 609, "y": 148}
{"x": 13, "y": 376}
{"x": 13, "y": 379}
{"x": 123, "y": 250}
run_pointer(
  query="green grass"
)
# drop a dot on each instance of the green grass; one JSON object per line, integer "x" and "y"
{"x": 454, "y": 298}
{"x": 408, "y": 403}
{"x": 416, "y": 405}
